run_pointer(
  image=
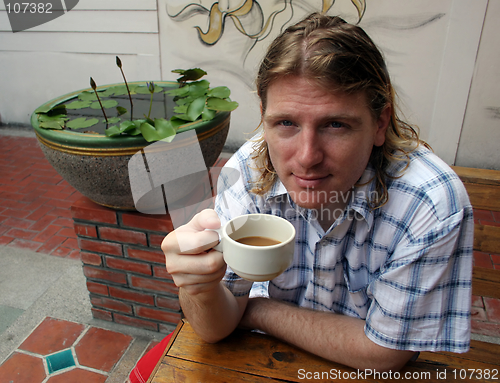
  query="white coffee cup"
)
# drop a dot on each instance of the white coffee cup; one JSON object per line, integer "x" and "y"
{"x": 257, "y": 263}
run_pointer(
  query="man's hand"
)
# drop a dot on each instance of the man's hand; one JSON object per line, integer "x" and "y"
{"x": 189, "y": 256}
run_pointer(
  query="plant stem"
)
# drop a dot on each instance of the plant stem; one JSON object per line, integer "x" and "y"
{"x": 94, "y": 86}
{"x": 150, "y": 104}
{"x": 119, "y": 63}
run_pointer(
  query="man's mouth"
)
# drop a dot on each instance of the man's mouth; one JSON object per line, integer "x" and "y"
{"x": 309, "y": 181}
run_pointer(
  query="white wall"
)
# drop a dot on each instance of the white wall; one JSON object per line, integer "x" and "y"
{"x": 60, "y": 56}
{"x": 430, "y": 46}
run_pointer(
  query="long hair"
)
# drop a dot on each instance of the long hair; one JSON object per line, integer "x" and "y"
{"x": 341, "y": 57}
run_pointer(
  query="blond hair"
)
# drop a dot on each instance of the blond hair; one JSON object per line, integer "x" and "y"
{"x": 342, "y": 57}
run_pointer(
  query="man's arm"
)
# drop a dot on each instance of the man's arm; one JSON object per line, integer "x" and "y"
{"x": 338, "y": 338}
{"x": 211, "y": 309}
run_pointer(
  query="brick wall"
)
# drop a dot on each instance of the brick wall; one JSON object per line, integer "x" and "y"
{"x": 125, "y": 267}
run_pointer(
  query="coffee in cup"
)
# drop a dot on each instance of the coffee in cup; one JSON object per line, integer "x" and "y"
{"x": 257, "y": 247}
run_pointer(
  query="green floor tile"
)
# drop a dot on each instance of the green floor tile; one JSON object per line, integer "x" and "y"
{"x": 60, "y": 360}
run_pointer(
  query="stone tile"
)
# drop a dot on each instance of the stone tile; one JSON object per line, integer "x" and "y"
{"x": 22, "y": 368}
{"x": 52, "y": 335}
{"x": 78, "y": 375}
{"x": 101, "y": 349}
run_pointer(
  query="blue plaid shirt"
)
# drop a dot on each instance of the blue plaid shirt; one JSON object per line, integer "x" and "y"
{"x": 405, "y": 268}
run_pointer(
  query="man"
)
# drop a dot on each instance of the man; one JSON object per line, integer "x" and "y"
{"x": 383, "y": 260}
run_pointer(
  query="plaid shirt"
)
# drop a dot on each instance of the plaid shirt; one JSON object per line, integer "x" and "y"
{"x": 404, "y": 268}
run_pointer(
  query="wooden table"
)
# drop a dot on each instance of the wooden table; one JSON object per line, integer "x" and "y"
{"x": 251, "y": 357}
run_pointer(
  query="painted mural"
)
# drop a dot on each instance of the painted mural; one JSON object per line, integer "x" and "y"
{"x": 250, "y": 17}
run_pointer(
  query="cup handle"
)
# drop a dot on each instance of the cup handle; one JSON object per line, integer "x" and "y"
{"x": 218, "y": 247}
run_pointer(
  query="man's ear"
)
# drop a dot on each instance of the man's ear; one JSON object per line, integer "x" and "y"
{"x": 382, "y": 125}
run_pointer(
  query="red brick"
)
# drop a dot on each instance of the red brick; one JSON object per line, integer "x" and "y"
{"x": 161, "y": 272}
{"x": 136, "y": 322}
{"x": 39, "y": 212}
{"x": 47, "y": 233}
{"x": 155, "y": 240}
{"x": 483, "y": 215}
{"x": 482, "y": 260}
{"x": 71, "y": 243}
{"x": 495, "y": 258}
{"x": 100, "y": 246}
{"x": 146, "y": 255}
{"x": 61, "y": 251}
{"x": 16, "y": 213}
{"x": 496, "y": 216}
{"x": 110, "y": 304}
{"x": 477, "y": 301}
{"x": 51, "y": 244}
{"x": 105, "y": 275}
{"x": 478, "y": 314}
{"x": 21, "y": 234}
{"x": 56, "y": 194}
{"x": 65, "y": 222}
{"x": 153, "y": 284}
{"x": 61, "y": 212}
{"x": 159, "y": 315}
{"x": 74, "y": 254}
{"x": 168, "y": 303}
{"x": 130, "y": 266}
{"x": 492, "y": 306}
{"x": 87, "y": 210}
{"x": 6, "y": 240}
{"x": 18, "y": 223}
{"x": 97, "y": 288}
{"x": 485, "y": 328}
{"x": 85, "y": 230}
{"x": 130, "y": 295}
{"x": 42, "y": 223}
{"x": 67, "y": 232}
{"x": 161, "y": 223}
{"x": 121, "y": 235}
{"x": 25, "y": 244}
{"x": 102, "y": 314}
{"x": 91, "y": 258}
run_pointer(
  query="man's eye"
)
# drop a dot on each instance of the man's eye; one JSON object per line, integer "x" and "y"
{"x": 285, "y": 123}
{"x": 335, "y": 124}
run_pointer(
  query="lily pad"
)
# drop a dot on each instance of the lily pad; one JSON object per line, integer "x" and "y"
{"x": 106, "y": 104}
{"x": 121, "y": 90}
{"x": 195, "y": 109}
{"x": 82, "y": 122}
{"x": 220, "y": 104}
{"x": 121, "y": 110}
{"x": 78, "y": 104}
{"x": 220, "y": 92}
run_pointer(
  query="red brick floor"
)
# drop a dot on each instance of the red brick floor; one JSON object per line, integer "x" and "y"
{"x": 34, "y": 201}
{"x": 63, "y": 351}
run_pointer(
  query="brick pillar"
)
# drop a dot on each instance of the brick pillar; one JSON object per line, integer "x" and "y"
{"x": 125, "y": 267}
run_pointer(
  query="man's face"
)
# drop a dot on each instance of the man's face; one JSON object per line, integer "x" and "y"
{"x": 319, "y": 142}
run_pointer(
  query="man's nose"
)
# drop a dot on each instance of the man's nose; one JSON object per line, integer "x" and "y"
{"x": 310, "y": 152}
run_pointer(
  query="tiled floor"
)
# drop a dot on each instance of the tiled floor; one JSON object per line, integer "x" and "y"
{"x": 63, "y": 351}
{"x": 34, "y": 201}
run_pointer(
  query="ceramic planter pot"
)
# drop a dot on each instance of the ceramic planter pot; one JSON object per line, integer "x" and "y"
{"x": 97, "y": 166}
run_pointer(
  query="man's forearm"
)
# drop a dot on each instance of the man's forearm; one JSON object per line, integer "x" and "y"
{"x": 335, "y": 337}
{"x": 213, "y": 314}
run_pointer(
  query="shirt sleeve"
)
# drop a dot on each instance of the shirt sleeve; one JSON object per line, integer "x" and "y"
{"x": 421, "y": 298}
